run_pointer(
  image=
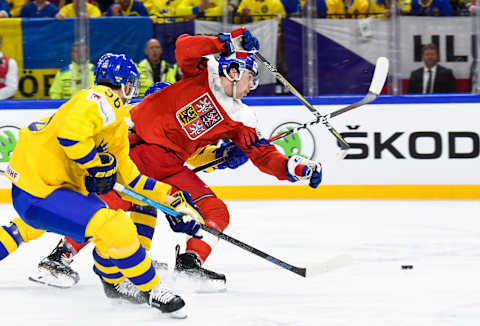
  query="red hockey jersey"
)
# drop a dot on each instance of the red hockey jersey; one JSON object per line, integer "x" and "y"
{"x": 196, "y": 112}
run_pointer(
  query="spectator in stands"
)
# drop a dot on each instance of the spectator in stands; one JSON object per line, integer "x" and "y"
{"x": 38, "y": 9}
{"x": 68, "y": 79}
{"x": 200, "y": 8}
{"x": 162, "y": 11}
{"x": 153, "y": 69}
{"x": 72, "y": 10}
{"x": 15, "y": 7}
{"x": 8, "y": 75}
{"x": 127, "y": 8}
{"x": 431, "y": 78}
{"x": 342, "y": 8}
{"x": 382, "y": 8}
{"x": 254, "y": 10}
{"x": 4, "y": 9}
{"x": 431, "y": 8}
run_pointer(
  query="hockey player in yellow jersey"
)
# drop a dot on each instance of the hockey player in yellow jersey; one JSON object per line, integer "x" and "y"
{"x": 55, "y": 269}
{"x": 61, "y": 163}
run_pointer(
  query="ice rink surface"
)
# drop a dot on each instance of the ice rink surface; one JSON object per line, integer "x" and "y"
{"x": 441, "y": 239}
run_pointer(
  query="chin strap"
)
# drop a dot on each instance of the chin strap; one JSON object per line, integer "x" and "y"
{"x": 234, "y": 80}
{"x": 235, "y": 89}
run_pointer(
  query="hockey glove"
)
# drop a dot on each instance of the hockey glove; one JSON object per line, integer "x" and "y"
{"x": 190, "y": 223}
{"x": 299, "y": 168}
{"x": 239, "y": 39}
{"x": 102, "y": 178}
{"x": 250, "y": 42}
{"x": 232, "y": 153}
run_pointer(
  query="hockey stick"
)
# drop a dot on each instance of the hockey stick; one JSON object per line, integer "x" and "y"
{"x": 344, "y": 146}
{"x": 327, "y": 266}
{"x": 376, "y": 85}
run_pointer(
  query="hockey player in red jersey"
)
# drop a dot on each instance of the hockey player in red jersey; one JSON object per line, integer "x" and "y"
{"x": 202, "y": 108}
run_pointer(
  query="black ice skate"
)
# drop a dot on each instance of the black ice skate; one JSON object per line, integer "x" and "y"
{"x": 167, "y": 302}
{"x": 124, "y": 290}
{"x": 160, "y": 297}
{"x": 189, "y": 265}
{"x": 54, "y": 270}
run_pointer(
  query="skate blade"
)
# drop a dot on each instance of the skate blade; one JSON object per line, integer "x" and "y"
{"x": 46, "y": 278}
{"x": 179, "y": 314}
{"x": 199, "y": 285}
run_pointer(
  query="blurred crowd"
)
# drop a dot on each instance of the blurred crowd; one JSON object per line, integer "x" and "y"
{"x": 154, "y": 68}
{"x": 237, "y": 11}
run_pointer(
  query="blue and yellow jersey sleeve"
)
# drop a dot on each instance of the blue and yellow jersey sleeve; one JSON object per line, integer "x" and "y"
{"x": 88, "y": 116}
{"x": 202, "y": 156}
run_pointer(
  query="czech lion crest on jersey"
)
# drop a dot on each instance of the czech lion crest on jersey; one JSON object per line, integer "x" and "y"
{"x": 199, "y": 116}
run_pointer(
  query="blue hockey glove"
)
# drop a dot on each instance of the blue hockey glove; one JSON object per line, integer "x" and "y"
{"x": 234, "y": 155}
{"x": 102, "y": 178}
{"x": 191, "y": 220}
{"x": 250, "y": 42}
{"x": 239, "y": 39}
{"x": 299, "y": 168}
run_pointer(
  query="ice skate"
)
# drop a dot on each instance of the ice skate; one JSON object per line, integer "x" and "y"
{"x": 54, "y": 270}
{"x": 188, "y": 265}
{"x": 167, "y": 302}
{"x": 160, "y": 297}
{"x": 124, "y": 290}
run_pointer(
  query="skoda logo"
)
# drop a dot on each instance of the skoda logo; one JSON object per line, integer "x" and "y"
{"x": 8, "y": 140}
{"x": 300, "y": 143}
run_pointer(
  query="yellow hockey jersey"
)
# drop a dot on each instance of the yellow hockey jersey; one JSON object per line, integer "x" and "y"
{"x": 55, "y": 152}
{"x": 186, "y": 8}
{"x": 264, "y": 7}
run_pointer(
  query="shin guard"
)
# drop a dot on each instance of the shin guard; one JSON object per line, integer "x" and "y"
{"x": 115, "y": 236}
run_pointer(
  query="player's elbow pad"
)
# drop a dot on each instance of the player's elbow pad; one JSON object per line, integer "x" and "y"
{"x": 148, "y": 187}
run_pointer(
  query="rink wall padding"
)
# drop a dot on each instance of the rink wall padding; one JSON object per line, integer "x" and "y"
{"x": 403, "y": 147}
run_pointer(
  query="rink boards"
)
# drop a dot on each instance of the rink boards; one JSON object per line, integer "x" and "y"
{"x": 420, "y": 147}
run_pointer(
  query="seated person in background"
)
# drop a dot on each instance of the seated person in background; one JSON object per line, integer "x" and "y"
{"x": 162, "y": 11}
{"x": 257, "y": 8}
{"x": 67, "y": 80}
{"x": 382, "y": 8}
{"x": 15, "y": 7}
{"x": 8, "y": 75}
{"x": 431, "y": 8}
{"x": 342, "y": 8}
{"x": 432, "y": 78}
{"x": 38, "y": 9}
{"x": 71, "y": 10}
{"x": 127, "y": 8}
{"x": 200, "y": 8}
{"x": 153, "y": 69}
{"x": 4, "y": 9}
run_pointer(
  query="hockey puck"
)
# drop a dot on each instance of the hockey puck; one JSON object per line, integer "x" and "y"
{"x": 407, "y": 266}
